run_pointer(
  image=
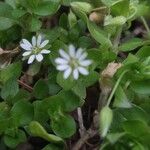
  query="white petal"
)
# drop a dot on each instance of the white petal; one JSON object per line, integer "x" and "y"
{"x": 64, "y": 54}
{"x": 39, "y": 40}
{"x": 34, "y": 41}
{"x": 61, "y": 61}
{"x": 79, "y": 52}
{"x": 44, "y": 51}
{"x": 26, "y": 53}
{"x": 71, "y": 50}
{"x": 83, "y": 56}
{"x": 31, "y": 59}
{"x": 83, "y": 71}
{"x": 39, "y": 57}
{"x": 85, "y": 63}
{"x": 62, "y": 67}
{"x": 44, "y": 43}
{"x": 76, "y": 74}
{"x": 67, "y": 73}
{"x": 26, "y": 47}
{"x": 26, "y": 42}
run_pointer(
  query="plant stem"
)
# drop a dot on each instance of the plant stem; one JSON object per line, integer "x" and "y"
{"x": 115, "y": 87}
{"x": 146, "y": 25}
{"x": 100, "y": 8}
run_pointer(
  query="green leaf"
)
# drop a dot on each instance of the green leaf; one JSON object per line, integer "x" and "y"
{"x": 110, "y": 2}
{"x": 89, "y": 80}
{"x": 68, "y": 128}
{"x": 21, "y": 95}
{"x": 53, "y": 147}
{"x": 121, "y": 8}
{"x": 115, "y": 21}
{"x": 82, "y": 6}
{"x": 22, "y": 113}
{"x": 136, "y": 128}
{"x": 12, "y": 142}
{"x": 69, "y": 100}
{"x": 143, "y": 52}
{"x": 37, "y": 129}
{"x": 6, "y": 23}
{"x": 121, "y": 99}
{"x": 85, "y": 42}
{"x": 13, "y": 70}
{"x": 141, "y": 87}
{"x": 17, "y": 13}
{"x": 5, "y": 10}
{"x": 45, "y": 8}
{"x": 114, "y": 137}
{"x": 66, "y": 84}
{"x": 34, "y": 69}
{"x": 135, "y": 113}
{"x": 131, "y": 45}
{"x": 99, "y": 35}
{"x": 64, "y": 100}
{"x": 40, "y": 89}
{"x": 10, "y": 89}
{"x": 12, "y": 3}
{"x": 96, "y": 56}
{"x": 80, "y": 90}
{"x": 34, "y": 24}
{"x": 72, "y": 19}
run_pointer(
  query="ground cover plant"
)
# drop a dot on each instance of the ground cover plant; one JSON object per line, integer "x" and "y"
{"x": 74, "y": 75}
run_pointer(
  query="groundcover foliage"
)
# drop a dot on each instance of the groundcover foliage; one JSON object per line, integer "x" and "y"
{"x": 52, "y": 51}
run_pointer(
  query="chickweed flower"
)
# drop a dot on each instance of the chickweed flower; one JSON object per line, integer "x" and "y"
{"x": 34, "y": 50}
{"x": 73, "y": 62}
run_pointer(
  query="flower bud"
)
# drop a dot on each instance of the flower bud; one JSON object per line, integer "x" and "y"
{"x": 96, "y": 17}
{"x": 105, "y": 120}
{"x": 82, "y": 6}
{"x": 36, "y": 129}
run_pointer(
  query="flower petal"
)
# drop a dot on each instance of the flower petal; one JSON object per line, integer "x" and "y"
{"x": 79, "y": 53}
{"x": 64, "y": 54}
{"x": 34, "y": 41}
{"x": 45, "y": 51}
{"x": 83, "y": 71}
{"x": 85, "y": 63}
{"x": 26, "y": 42}
{"x": 67, "y": 73}
{"x": 76, "y": 74}
{"x": 31, "y": 59}
{"x": 26, "y": 47}
{"x": 39, "y": 57}
{"x": 44, "y": 43}
{"x": 72, "y": 51}
{"x": 62, "y": 67}
{"x": 26, "y": 53}
{"x": 61, "y": 61}
{"x": 83, "y": 56}
{"x": 39, "y": 40}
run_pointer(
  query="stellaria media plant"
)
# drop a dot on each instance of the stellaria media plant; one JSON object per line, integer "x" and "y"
{"x": 75, "y": 74}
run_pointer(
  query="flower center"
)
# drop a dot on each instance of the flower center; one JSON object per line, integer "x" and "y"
{"x": 74, "y": 63}
{"x": 36, "y": 50}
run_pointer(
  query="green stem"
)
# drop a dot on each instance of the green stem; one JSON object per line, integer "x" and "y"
{"x": 99, "y": 8}
{"x": 146, "y": 25}
{"x": 115, "y": 87}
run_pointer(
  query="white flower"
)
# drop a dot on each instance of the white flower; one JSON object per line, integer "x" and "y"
{"x": 74, "y": 62}
{"x": 34, "y": 50}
